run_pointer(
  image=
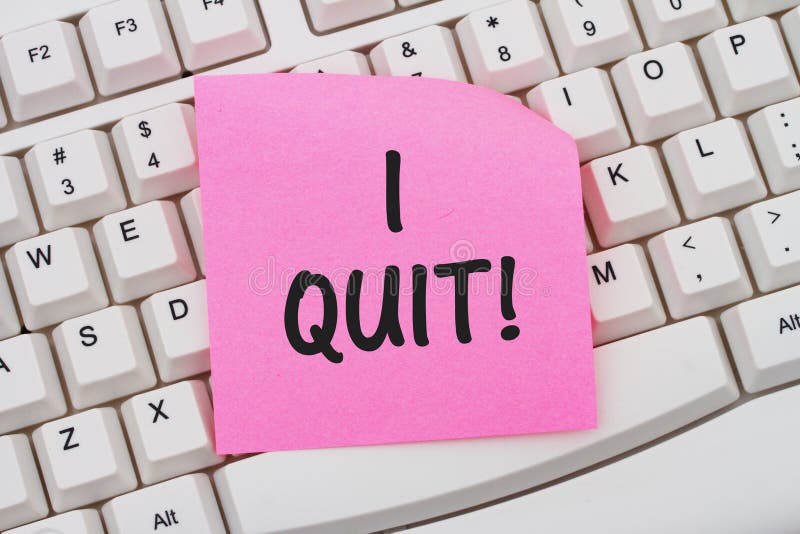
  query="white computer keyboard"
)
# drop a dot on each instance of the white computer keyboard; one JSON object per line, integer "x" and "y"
{"x": 687, "y": 119}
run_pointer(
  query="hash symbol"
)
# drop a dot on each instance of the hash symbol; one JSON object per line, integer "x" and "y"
{"x": 59, "y": 155}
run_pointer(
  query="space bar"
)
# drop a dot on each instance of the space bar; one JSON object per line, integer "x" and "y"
{"x": 735, "y": 474}
{"x": 647, "y": 386}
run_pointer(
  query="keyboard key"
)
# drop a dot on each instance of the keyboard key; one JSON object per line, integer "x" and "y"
{"x": 748, "y": 9}
{"x": 211, "y": 31}
{"x": 647, "y": 385}
{"x": 583, "y": 105}
{"x": 505, "y": 46}
{"x": 30, "y": 391}
{"x": 745, "y": 458}
{"x": 143, "y": 250}
{"x": 84, "y": 459}
{"x": 667, "y": 21}
{"x": 185, "y": 505}
{"x": 776, "y": 134}
{"x": 43, "y": 71}
{"x": 591, "y": 32}
{"x": 74, "y": 178}
{"x": 627, "y": 196}
{"x": 193, "y": 215}
{"x": 128, "y": 44}
{"x": 624, "y": 298}
{"x": 17, "y": 218}
{"x": 75, "y": 522}
{"x": 158, "y": 152}
{"x": 177, "y": 325}
{"x": 21, "y": 496}
{"x": 171, "y": 431}
{"x": 713, "y": 168}
{"x": 103, "y": 356}
{"x": 771, "y": 241}
{"x": 329, "y": 14}
{"x": 699, "y": 267}
{"x": 748, "y": 66}
{"x": 3, "y": 120}
{"x": 56, "y": 277}
{"x": 662, "y": 92}
{"x": 763, "y": 335}
{"x": 347, "y": 62}
{"x": 429, "y": 52}
{"x": 791, "y": 31}
{"x": 9, "y": 322}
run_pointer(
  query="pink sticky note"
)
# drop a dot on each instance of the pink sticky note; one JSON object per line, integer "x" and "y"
{"x": 294, "y": 178}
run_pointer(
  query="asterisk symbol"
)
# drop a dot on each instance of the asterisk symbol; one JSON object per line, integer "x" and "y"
{"x": 492, "y": 22}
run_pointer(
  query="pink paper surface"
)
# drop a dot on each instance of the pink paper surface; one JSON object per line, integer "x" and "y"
{"x": 293, "y": 173}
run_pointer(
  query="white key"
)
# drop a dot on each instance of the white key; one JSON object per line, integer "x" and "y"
{"x": 713, "y": 168}
{"x": 9, "y": 322}
{"x": 30, "y": 391}
{"x": 791, "y": 31}
{"x": 74, "y": 178}
{"x": 429, "y": 52}
{"x": 408, "y": 3}
{"x": 587, "y": 33}
{"x": 748, "y": 9}
{"x": 43, "y": 71}
{"x": 771, "y": 241}
{"x": 158, "y": 152}
{"x": 748, "y": 66}
{"x": 185, "y": 505}
{"x": 75, "y": 522}
{"x": 505, "y": 46}
{"x": 143, "y": 250}
{"x": 624, "y": 298}
{"x": 177, "y": 325}
{"x": 627, "y": 196}
{"x": 647, "y": 385}
{"x": 347, "y": 62}
{"x": 193, "y": 215}
{"x": 103, "y": 356}
{"x": 171, "y": 430}
{"x": 128, "y": 44}
{"x": 776, "y": 135}
{"x": 21, "y": 496}
{"x": 583, "y": 105}
{"x": 84, "y": 458}
{"x": 662, "y": 92}
{"x": 699, "y": 267}
{"x": 211, "y": 31}
{"x": 667, "y": 21}
{"x": 746, "y": 458}
{"x": 17, "y": 218}
{"x": 763, "y": 335}
{"x": 329, "y": 14}
{"x": 56, "y": 277}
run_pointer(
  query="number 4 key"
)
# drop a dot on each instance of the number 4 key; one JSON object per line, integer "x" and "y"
{"x": 158, "y": 152}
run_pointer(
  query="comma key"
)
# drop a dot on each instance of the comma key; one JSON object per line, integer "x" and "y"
{"x": 183, "y": 505}
{"x": 699, "y": 267}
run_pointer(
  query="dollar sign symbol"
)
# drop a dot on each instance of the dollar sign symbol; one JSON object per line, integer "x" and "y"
{"x": 145, "y": 130}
